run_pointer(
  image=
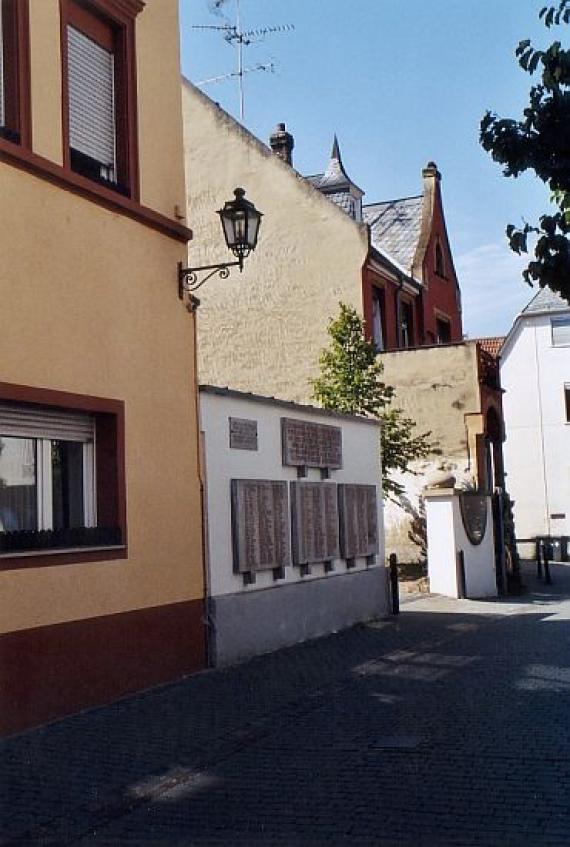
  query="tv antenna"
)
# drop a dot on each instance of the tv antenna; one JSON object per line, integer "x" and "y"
{"x": 233, "y": 34}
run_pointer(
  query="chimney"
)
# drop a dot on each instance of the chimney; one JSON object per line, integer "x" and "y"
{"x": 282, "y": 143}
{"x": 431, "y": 172}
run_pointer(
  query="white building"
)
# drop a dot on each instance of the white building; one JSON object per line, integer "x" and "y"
{"x": 535, "y": 374}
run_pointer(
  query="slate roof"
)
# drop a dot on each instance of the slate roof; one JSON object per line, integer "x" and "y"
{"x": 491, "y": 344}
{"x": 546, "y": 300}
{"x": 335, "y": 178}
{"x": 395, "y": 227}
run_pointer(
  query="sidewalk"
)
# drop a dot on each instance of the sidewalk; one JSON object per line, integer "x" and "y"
{"x": 445, "y": 725}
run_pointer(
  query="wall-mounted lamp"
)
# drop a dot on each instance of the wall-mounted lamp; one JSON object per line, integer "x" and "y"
{"x": 240, "y": 223}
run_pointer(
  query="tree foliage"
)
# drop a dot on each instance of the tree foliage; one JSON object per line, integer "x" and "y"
{"x": 540, "y": 142}
{"x": 350, "y": 381}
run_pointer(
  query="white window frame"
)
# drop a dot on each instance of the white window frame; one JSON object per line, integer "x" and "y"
{"x": 20, "y": 422}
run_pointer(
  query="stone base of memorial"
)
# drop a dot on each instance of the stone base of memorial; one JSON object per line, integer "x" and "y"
{"x": 292, "y": 612}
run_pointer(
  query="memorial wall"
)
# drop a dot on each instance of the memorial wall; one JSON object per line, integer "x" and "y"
{"x": 294, "y": 521}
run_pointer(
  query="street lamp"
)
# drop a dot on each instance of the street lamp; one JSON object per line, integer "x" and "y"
{"x": 240, "y": 224}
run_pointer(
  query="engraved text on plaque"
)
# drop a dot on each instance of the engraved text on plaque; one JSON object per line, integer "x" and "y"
{"x": 243, "y": 434}
{"x": 314, "y": 521}
{"x": 260, "y": 525}
{"x": 311, "y": 445}
{"x": 358, "y": 520}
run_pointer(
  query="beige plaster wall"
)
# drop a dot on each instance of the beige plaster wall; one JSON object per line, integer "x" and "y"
{"x": 438, "y": 388}
{"x": 45, "y": 71}
{"x": 158, "y": 97}
{"x": 90, "y": 305}
{"x": 160, "y": 108}
{"x": 262, "y": 330}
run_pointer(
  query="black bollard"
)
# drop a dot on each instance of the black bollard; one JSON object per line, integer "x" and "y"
{"x": 394, "y": 583}
{"x": 461, "y": 585}
{"x": 539, "y": 551}
{"x": 548, "y": 554}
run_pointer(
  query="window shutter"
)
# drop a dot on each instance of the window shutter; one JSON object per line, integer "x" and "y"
{"x": 560, "y": 331}
{"x": 92, "y": 100}
{"x": 2, "y": 118}
{"x": 20, "y": 422}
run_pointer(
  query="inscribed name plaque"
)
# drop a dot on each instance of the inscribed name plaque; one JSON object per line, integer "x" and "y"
{"x": 243, "y": 434}
{"x": 311, "y": 445}
{"x": 473, "y": 509}
{"x": 260, "y": 525}
{"x": 358, "y": 513}
{"x": 314, "y": 522}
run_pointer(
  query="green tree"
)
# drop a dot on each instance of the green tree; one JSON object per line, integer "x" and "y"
{"x": 540, "y": 142}
{"x": 350, "y": 381}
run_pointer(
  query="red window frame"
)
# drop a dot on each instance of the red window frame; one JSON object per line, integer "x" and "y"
{"x": 16, "y": 56}
{"x": 109, "y": 467}
{"x": 110, "y": 23}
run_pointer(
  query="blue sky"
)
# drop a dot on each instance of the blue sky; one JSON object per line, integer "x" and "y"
{"x": 400, "y": 82}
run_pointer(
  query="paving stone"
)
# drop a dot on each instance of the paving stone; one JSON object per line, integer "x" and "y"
{"x": 448, "y": 725}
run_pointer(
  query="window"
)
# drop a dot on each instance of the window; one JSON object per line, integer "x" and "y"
{"x": 99, "y": 112}
{"x": 407, "y": 334}
{"x": 443, "y": 331}
{"x": 59, "y": 479}
{"x": 439, "y": 264}
{"x": 560, "y": 331}
{"x": 14, "y": 71}
{"x": 378, "y": 318}
{"x": 567, "y": 401}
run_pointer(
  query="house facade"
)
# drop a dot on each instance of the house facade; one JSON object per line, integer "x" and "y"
{"x": 535, "y": 373}
{"x": 263, "y": 331}
{"x": 101, "y": 568}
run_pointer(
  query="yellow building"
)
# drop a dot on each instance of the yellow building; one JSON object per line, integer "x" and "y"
{"x": 101, "y": 580}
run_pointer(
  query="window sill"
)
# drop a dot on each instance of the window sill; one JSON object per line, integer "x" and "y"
{"x": 22, "y": 157}
{"x": 61, "y": 556}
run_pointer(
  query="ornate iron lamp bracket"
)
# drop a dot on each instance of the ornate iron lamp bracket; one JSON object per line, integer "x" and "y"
{"x": 191, "y": 279}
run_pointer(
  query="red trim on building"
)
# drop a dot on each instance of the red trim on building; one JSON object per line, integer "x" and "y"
{"x": 53, "y": 671}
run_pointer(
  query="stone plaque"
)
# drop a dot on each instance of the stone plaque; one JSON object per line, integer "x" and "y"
{"x": 311, "y": 445}
{"x": 260, "y": 525}
{"x": 358, "y": 515}
{"x": 473, "y": 508}
{"x": 314, "y": 522}
{"x": 243, "y": 434}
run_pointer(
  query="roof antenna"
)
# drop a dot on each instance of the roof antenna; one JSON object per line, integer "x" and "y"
{"x": 235, "y": 35}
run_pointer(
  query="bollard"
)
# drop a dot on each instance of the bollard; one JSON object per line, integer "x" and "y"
{"x": 394, "y": 583}
{"x": 548, "y": 553}
{"x": 539, "y": 550}
{"x": 461, "y": 586}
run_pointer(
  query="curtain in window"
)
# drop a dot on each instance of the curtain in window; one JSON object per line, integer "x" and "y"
{"x": 378, "y": 335}
{"x": 92, "y": 100}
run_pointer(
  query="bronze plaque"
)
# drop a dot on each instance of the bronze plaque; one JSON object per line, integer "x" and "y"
{"x": 243, "y": 434}
{"x": 358, "y": 514}
{"x": 311, "y": 445}
{"x": 314, "y": 522}
{"x": 260, "y": 525}
{"x": 473, "y": 508}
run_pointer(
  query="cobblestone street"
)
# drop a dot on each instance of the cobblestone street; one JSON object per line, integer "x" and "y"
{"x": 449, "y": 725}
